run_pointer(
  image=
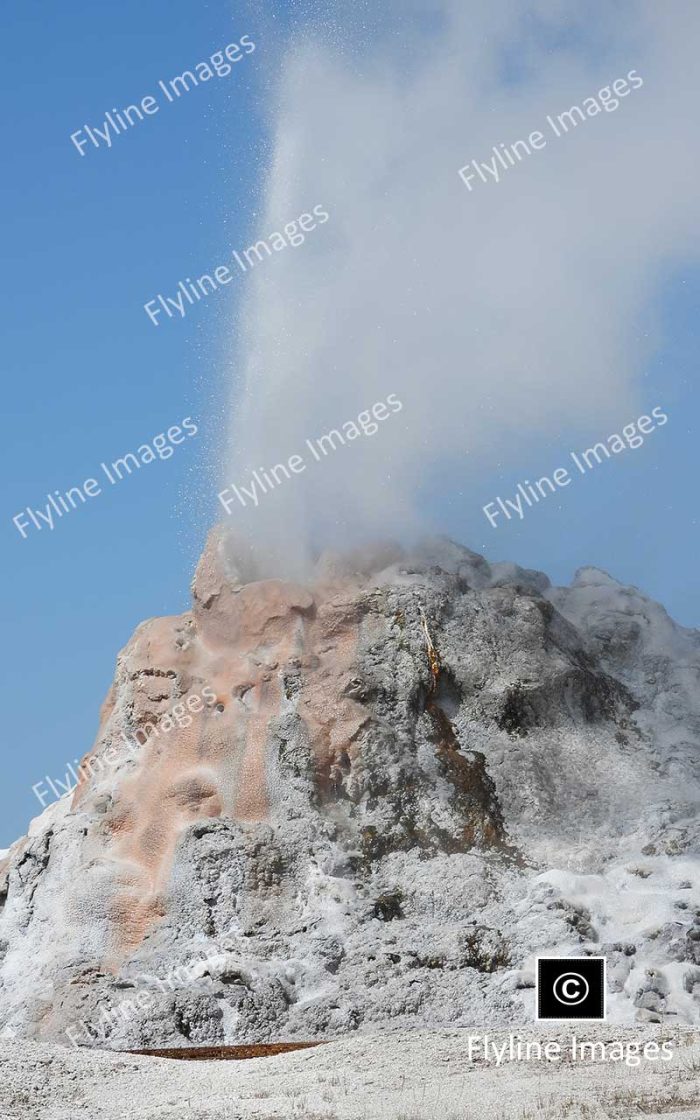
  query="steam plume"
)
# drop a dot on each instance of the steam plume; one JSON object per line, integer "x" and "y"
{"x": 522, "y": 306}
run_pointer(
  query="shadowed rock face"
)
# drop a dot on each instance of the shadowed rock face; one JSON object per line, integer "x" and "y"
{"x": 373, "y": 799}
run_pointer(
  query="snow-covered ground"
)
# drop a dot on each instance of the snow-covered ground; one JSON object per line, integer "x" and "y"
{"x": 418, "y": 1075}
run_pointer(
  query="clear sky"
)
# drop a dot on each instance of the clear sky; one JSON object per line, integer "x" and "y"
{"x": 88, "y": 240}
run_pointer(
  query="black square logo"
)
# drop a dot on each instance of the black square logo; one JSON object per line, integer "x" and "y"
{"x": 570, "y": 988}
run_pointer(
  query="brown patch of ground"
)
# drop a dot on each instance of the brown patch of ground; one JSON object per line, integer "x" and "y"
{"x": 226, "y": 1053}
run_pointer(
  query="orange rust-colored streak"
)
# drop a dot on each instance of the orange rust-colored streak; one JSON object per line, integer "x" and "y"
{"x": 239, "y": 642}
{"x": 433, "y": 655}
{"x": 217, "y": 765}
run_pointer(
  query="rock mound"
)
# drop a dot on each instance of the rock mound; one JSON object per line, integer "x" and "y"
{"x": 372, "y": 800}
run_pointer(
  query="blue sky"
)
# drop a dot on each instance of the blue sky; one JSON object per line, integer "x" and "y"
{"x": 87, "y": 377}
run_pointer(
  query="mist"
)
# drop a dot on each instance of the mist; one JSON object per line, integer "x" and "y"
{"x": 513, "y": 311}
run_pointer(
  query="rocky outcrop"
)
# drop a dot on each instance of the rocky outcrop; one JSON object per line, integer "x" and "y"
{"x": 371, "y": 800}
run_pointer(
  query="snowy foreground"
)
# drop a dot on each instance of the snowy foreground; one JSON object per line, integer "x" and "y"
{"x": 408, "y": 1076}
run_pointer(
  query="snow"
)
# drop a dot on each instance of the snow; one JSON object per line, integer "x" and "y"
{"x": 419, "y": 1075}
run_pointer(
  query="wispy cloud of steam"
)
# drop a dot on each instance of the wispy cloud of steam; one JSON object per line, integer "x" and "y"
{"x": 522, "y": 306}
